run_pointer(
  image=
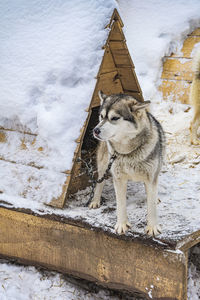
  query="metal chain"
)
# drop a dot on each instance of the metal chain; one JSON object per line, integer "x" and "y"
{"x": 90, "y": 172}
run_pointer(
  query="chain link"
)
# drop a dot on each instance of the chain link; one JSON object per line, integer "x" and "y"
{"x": 90, "y": 173}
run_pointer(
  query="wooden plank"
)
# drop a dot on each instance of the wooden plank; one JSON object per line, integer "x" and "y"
{"x": 115, "y": 17}
{"x": 116, "y": 33}
{"x": 120, "y": 54}
{"x": 189, "y": 241}
{"x": 175, "y": 90}
{"x": 60, "y": 201}
{"x": 3, "y": 138}
{"x": 108, "y": 64}
{"x": 178, "y": 69}
{"x": 129, "y": 81}
{"x": 109, "y": 83}
{"x": 94, "y": 255}
{"x": 188, "y": 47}
{"x": 196, "y": 32}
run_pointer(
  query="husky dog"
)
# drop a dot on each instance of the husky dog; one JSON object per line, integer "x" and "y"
{"x": 127, "y": 129}
{"x": 195, "y": 99}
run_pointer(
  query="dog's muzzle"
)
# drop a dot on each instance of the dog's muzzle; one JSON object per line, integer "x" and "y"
{"x": 96, "y": 132}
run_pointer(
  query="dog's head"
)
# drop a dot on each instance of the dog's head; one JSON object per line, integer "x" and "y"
{"x": 121, "y": 116}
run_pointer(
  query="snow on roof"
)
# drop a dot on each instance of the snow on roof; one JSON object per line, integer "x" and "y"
{"x": 50, "y": 54}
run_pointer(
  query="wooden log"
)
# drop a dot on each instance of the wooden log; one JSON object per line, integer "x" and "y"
{"x": 109, "y": 260}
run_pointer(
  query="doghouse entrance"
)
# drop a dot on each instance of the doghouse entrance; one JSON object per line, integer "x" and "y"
{"x": 87, "y": 155}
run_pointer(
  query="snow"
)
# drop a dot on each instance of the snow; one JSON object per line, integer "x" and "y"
{"x": 23, "y": 283}
{"x": 154, "y": 29}
{"x": 51, "y": 51}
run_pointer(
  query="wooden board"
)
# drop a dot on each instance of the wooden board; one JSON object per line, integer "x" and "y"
{"x": 195, "y": 32}
{"x": 176, "y": 90}
{"x": 177, "y": 70}
{"x": 109, "y": 260}
{"x": 109, "y": 83}
{"x": 188, "y": 47}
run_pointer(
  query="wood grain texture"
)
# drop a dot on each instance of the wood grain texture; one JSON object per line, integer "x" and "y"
{"x": 96, "y": 256}
{"x": 177, "y": 70}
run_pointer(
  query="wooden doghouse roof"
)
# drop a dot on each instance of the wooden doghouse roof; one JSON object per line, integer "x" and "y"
{"x": 116, "y": 75}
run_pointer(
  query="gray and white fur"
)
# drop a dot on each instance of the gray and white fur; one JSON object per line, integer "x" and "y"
{"x": 126, "y": 128}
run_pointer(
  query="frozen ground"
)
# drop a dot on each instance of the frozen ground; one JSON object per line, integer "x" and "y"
{"x": 28, "y": 283}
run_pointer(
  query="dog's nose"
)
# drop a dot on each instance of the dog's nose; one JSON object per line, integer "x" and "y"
{"x": 97, "y": 131}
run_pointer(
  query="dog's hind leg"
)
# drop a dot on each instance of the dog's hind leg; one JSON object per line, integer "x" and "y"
{"x": 120, "y": 186}
{"x": 195, "y": 124}
{"x": 152, "y": 228}
{"x": 102, "y": 163}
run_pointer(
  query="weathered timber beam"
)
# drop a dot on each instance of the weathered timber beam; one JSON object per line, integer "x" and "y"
{"x": 96, "y": 256}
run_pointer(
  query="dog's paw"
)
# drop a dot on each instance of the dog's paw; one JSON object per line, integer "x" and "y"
{"x": 153, "y": 230}
{"x": 121, "y": 228}
{"x": 94, "y": 204}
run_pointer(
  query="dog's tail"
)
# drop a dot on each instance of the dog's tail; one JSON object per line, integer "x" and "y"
{"x": 196, "y": 64}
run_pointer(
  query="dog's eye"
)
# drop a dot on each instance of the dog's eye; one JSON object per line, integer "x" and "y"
{"x": 102, "y": 116}
{"x": 115, "y": 118}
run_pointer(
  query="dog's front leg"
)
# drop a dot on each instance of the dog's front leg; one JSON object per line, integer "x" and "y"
{"x": 120, "y": 186}
{"x": 152, "y": 228}
{"x": 97, "y": 195}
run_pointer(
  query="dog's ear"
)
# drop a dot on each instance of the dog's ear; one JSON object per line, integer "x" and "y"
{"x": 136, "y": 105}
{"x": 141, "y": 105}
{"x": 102, "y": 96}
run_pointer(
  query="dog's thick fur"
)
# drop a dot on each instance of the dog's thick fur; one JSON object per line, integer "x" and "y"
{"x": 129, "y": 130}
{"x": 195, "y": 99}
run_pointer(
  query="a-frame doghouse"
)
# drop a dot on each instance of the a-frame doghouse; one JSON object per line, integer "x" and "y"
{"x": 154, "y": 268}
{"x": 116, "y": 75}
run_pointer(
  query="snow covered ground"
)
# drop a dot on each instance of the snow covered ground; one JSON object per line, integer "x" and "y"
{"x": 37, "y": 87}
{"x": 28, "y": 283}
